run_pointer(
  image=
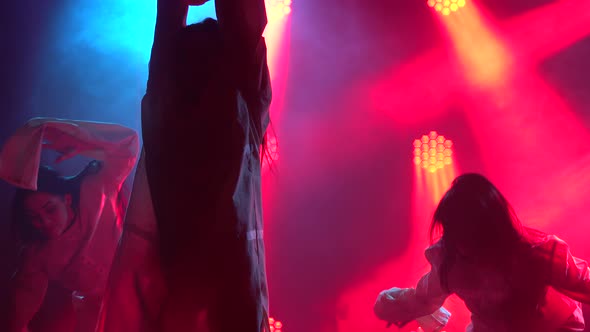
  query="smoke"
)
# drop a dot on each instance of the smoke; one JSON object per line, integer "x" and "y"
{"x": 94, "y": 59}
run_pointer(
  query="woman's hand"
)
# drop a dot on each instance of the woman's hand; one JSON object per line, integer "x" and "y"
{"x": 63, "y": 143}
{"x": 65, "y": 152}
{"x": 196, "y": 2}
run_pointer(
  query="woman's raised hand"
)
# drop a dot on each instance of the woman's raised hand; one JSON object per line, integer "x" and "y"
{"x": 196, "y": 2}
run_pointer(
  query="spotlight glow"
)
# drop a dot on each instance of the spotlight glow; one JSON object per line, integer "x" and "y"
{"x": 446, "y": 7}
{"x": 433, "y": 152}
{"x": 277, "y": 9}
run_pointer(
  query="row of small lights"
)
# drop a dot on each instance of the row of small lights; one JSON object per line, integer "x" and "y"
{"x": 282, "y": 8}
{"x": 446, "y": 7}
{"x": 275, "y": 325}
{"x": 433, "y": 152}
{"x": 277, "y": 9}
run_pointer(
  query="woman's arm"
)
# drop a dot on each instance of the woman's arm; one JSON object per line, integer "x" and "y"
{"x": 400, "y": 306}
{"x": 116, "y": 146}
{"x": 170, "y": 19}
{"x": 569, "y": 275}
{"x": 242, "y": 23}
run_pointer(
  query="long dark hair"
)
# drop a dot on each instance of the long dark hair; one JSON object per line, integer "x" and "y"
{"x": 478, "y": 225}
{"x": 476, "y": 220}
{"x": 51, "y": 182}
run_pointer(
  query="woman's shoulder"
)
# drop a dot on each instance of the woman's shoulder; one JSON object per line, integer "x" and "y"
{"x": 434, "y": 253}
{"x": 547, "y": 248}
{"x": 542, "y": 240}
{"x": 534, "y": 237}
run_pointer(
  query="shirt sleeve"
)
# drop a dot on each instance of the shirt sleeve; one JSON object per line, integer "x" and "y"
{"x": 569, "y": 275}
{"x": 170, "y": 19}
{"x": 116, "y": 146}
{"x": 400, "y": 306}
{"x": 28, "y": 287}
{"x": 242, "y": 23}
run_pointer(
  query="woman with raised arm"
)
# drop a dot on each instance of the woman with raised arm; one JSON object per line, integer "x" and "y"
{"x": 511, "y": 278}
{"x": 204, "y": 119}
{"x": 69, "y": 226}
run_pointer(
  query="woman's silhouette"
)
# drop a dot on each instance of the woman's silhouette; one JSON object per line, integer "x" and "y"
{"x": 510, "y": 277}
{"x": 197, "y": 258}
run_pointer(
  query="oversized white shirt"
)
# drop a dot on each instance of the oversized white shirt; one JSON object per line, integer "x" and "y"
{"x": 484, "y": 293}
{"x": 79, "y": 259}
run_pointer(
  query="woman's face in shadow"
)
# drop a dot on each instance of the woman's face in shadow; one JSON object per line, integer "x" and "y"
{"x": 48, "y": 213}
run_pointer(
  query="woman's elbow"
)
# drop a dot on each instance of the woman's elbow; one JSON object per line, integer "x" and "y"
{"x": 379, "y": 310}
{"x": 384, "y": 304}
